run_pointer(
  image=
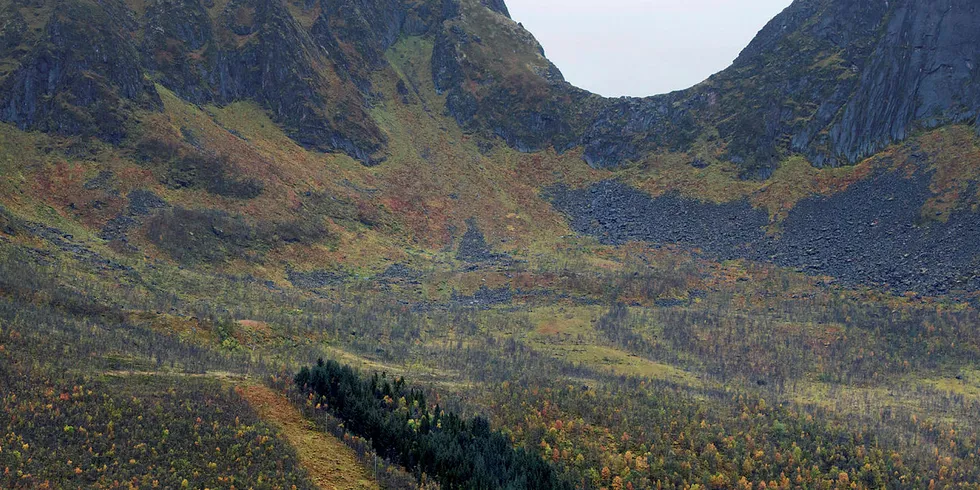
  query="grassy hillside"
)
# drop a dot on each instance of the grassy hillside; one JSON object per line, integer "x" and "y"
{"x": 884, "y": 370}
{"x": 212, "y": 246}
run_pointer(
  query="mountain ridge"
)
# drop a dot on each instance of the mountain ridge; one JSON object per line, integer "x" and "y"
{"x": 810, "y": 61}
{"x": 623, "y": 293}
{"x": 815, "y": 72}
{"x": 165, "y": 84}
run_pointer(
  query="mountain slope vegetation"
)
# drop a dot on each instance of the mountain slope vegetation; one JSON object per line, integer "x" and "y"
{"x": 768, "y": 280}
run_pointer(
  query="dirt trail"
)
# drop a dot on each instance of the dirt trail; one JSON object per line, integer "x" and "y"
{"x": 331, "y": 464}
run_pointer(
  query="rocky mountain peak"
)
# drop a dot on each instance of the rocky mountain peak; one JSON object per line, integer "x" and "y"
{"x": 833, "y": 80}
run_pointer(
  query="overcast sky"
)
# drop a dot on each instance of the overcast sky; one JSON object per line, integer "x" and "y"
{"x": 642, "y": 47}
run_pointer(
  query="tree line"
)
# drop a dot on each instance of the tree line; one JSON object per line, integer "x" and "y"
{"x": 431, "y": 442}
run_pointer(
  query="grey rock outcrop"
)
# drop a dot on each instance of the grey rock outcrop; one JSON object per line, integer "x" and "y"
{"x": 834, "y": 80}
{"x": 81, "y": 76}
{"x": 924, "y": 72}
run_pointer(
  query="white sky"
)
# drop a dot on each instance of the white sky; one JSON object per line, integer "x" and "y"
{"x": 642, "y": 47}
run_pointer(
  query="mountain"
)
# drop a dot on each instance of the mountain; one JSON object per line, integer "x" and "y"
{"x": 840, "y": 84}
{"x": 832, "y": 80}
{"x": 768, "y": 279}
{"x": 835, "y": 81}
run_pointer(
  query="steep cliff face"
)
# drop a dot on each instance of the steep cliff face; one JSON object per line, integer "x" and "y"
{"x": 309, "y": 63}
{"x": 833, "y": 80}
{"x": 257, "y": 50}
{"x": 497, "y": 6}
{"x": 923, "y": 72}
{"x": 78, "y": 73}
{"x": 498, "y": 83}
